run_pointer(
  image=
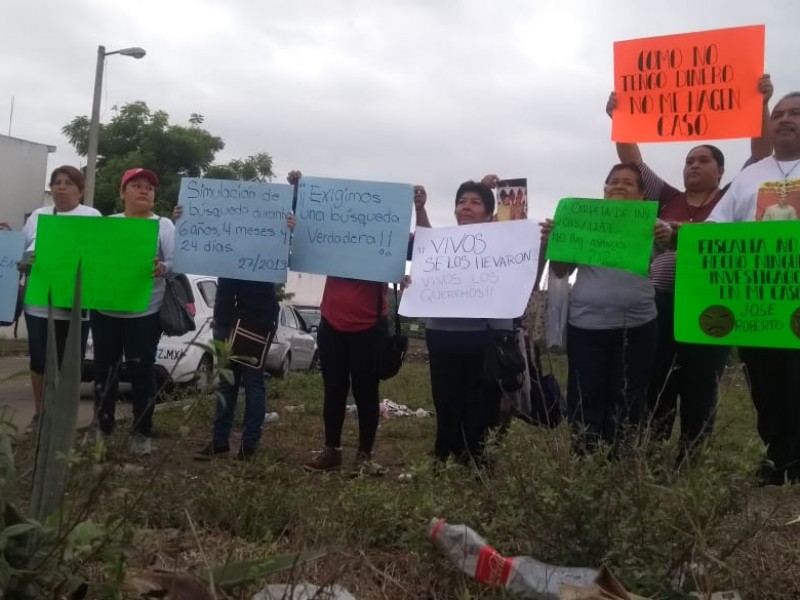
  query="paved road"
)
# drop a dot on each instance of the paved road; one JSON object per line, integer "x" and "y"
{"x": 16, "y": 399}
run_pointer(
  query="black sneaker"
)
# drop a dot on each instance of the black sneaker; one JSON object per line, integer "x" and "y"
{"x": 209, "y": 451}
{"x": 245, "y": 453}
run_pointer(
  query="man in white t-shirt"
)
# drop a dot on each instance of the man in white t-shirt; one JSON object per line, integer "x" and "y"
{"x": 773, "y": 374}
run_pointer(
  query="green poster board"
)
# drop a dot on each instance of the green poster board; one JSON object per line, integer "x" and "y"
{"x": 116, "y": 257}
{"x": 604, "y": 233}
{"x": 738, "y": 284}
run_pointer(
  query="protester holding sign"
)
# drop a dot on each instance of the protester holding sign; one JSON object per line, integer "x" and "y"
{"x": 254, "y": 305}
{"x": 467, "y": 403}
{"x": 353, "y": 323}
{"x": 134, "y": 335}
{"x": 611, "y": 334}
{"x": 691, "y": 371}
{"x": 66, "y": 187}
{"x": 772, "y": 374}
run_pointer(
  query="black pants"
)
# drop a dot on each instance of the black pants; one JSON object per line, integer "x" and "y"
{"x": 349, "y": 358}
{"x": 37, "y": 340}
{"x": 774, "y": 379}
{"x": 691, "y": 371}
{"x": 467, "y": 407}
{"x": 609, "y": 375}
{"x": 136, "y": 338}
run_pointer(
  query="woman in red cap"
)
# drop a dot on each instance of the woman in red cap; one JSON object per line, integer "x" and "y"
{"x": 135, "y": 335}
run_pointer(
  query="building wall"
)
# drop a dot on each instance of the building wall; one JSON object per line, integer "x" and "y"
{"x": 23, "y": 174}
{"x": 307, "y": 288}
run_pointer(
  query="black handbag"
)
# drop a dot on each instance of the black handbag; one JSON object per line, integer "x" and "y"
{"x": 548, "y": 405}
{"x": 503, "y": 361}
{"x": 177, "y": 312}
{"x": 391, "y": 350}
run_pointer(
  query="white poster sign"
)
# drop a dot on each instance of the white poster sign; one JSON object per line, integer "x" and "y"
{"x": 483, "y": 271}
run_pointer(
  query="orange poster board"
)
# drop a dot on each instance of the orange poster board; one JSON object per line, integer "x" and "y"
{"x": 693, "y": 86}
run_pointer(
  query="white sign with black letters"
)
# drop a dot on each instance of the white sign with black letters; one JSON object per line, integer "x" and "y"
{"x": 483, "y": 271}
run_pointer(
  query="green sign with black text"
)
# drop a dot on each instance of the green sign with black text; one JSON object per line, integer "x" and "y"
{"x": 738, "y": 284}
{"x": 605, "y": 233}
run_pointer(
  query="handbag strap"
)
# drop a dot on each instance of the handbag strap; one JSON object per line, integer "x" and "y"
{"x": 396, "y": 308}
{"x": 396, "y": 311}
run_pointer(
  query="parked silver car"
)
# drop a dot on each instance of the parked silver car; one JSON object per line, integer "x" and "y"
{"x": 294, "y": 348}
{"x": 311, "y": 315}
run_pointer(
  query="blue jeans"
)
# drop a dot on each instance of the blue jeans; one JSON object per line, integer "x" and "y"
{"x": 258, "y": 300}
{"x": 255, "y": 404}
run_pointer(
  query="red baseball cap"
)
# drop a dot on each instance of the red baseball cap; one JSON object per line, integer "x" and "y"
{"x": 139, "y": 172}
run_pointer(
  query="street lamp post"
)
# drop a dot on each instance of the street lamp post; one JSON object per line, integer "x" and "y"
{"x": 94, "y": 124}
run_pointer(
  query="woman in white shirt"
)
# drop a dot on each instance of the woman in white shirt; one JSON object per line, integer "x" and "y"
{"x": 135, "y": 335}
{"x": 66, "y": 187}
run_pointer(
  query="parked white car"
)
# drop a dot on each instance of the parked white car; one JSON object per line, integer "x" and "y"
{"x": 180, "y": 362}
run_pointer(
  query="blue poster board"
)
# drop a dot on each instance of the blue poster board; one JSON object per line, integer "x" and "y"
{"x": 352, "y": 229}
{"x": 233, "y": 229}
{"x": 12, "y": 245}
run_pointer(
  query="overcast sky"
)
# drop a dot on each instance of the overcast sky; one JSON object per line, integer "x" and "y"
{"x": 421, "y": 91}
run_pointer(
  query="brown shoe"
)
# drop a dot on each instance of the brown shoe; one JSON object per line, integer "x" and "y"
{"x": 329, "y": 459}
{"x": 364, "y": 466}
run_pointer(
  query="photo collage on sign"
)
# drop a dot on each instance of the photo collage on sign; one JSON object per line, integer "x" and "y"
{"x": 512, "y": 199}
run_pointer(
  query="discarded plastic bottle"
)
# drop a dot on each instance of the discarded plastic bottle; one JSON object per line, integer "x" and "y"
{"x": 522, "y": 576}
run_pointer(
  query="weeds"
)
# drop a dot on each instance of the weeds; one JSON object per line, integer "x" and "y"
{"x": 640, "y": 514}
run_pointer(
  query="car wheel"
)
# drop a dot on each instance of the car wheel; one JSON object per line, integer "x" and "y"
{"x": 314, "y": 366}
{"x": 286, "y": 366}
{"x": 204, "y": 376}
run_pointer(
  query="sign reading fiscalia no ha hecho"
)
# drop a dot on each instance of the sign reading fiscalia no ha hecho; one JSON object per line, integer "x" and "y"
{"x": 481, "y": 271}
{"x": 352, "y": 229}
{"x": 738, "y": 284}
{"x": 233, "y": 229}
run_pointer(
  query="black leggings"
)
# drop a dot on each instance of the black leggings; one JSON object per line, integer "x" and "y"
{"x": 467, "y": 406}
{"x": 350, "y": 357}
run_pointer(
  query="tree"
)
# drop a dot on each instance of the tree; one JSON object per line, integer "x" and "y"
{"x": 139, "y": 137}
{"x": 253, "y": 168}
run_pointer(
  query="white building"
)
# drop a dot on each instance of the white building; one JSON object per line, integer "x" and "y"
{"x": 306, "y": 287}
{"x": 23, "y": 175}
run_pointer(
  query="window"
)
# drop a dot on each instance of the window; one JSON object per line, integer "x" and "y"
{"x": 208, "y": 290}
{"x": 284, "y": 310}
{"x": 290, "y": 320}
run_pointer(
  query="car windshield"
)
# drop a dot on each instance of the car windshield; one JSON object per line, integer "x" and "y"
{"x": 310, "y": 316}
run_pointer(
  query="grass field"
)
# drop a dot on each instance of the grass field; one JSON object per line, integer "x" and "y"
{"x": 639, "y": 515}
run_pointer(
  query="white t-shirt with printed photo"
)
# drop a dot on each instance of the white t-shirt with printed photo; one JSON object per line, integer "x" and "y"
{"x": 755, "y": 193}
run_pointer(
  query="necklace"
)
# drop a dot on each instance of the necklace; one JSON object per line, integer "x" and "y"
{"x": 785, "y": 184}
{"x": 692, "y": 210}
